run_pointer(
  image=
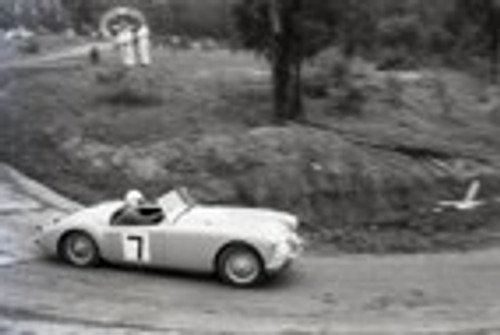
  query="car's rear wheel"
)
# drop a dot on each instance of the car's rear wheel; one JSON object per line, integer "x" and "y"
{"x": 240, "y": 266}
{"x": 79, "y": 249}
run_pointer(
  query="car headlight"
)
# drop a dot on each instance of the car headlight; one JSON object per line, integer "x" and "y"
{"x": 278, "y": 253}
{"x": 292, "y": 223}
{"x": 283, "y": 249}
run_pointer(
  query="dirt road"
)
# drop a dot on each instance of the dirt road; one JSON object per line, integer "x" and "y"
{"x": 53, "y": 57}
{"x": 439, "y": 294}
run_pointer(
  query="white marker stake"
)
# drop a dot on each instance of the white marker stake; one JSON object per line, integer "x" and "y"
{"x": 469, "y": 202}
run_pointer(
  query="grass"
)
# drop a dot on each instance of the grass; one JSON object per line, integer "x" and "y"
{"x": 358, "y": 180}
{"x": 178, "y": 98}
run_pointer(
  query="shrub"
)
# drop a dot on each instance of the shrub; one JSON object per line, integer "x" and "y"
{"x": 110, "y": 77}
{"x": 128, "y": 96}
{"x": 331, "y": 77}
{"x": 346, "y": 91}
{"x": 400, "y": 31}
{"x": 349, "y": 99}
{"x": 129, "y": 88}
{"x": 315, "y": 84}
{"x": 328, "y": 69}
{"x": 396, "y": 59}
{"x": 29, "y": 46}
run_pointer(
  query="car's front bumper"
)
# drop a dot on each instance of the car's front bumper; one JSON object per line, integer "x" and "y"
{"x": 284, "y": 255}
{"x": 46, "y": 240}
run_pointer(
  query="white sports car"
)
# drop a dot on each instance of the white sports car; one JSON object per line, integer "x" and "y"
{"x": 241, "y": 245}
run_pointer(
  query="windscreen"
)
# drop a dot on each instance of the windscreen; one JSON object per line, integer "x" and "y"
{"x": 176, "y": 203}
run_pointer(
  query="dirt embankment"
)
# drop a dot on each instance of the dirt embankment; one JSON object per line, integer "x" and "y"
{"x": 364, "y": 180}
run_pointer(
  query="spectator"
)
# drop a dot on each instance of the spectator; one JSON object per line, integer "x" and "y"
{"x": 143, "y": 44}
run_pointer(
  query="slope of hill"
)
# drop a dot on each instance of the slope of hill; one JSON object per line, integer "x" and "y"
{"x": 362, "y": 181}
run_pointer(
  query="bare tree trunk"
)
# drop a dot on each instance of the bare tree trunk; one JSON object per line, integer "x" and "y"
{"x": 281, "y": 82}
{"x": 286, "y": 59}
{"x": 296, "y": 108}
{"x": 493, "y": 20}
{"x": 494, "y": 62}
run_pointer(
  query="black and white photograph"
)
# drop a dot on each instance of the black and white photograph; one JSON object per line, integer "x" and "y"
{"x": 286, "y": 167}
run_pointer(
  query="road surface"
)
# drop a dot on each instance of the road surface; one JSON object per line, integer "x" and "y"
{"x": 56, "y": 56}
{"x": 440, "y": 294}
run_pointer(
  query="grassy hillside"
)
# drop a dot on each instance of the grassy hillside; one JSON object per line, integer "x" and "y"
{"x": 363, "y": 171}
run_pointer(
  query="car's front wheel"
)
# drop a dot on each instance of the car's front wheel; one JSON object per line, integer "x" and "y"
{"x": 79, "y": 249}
{"x": 240, "y": 266}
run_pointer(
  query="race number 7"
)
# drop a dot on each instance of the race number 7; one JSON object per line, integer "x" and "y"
{"x": 140, "y": 245}
{"x": 136, "y": 248}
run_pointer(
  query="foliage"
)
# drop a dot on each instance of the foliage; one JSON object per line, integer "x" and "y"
{"x": 128, "y": 89}
{"x": 166, "y": 17}
{"x": 29, "y": 46}
{"x": 400, "y": 31}
{"x": 288, "y": 32}
{"x": 320, "y": 23}
{"x": 448, "y": 30}
{"x": 396, "y": 59}
{"x": 6, "y": 18}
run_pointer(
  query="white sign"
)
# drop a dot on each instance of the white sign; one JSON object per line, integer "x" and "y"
{"x": 136, "y": 247}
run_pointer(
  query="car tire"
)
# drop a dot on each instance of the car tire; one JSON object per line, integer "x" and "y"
{"x": 79, "y": 249}
{"x": 240, "y": 266}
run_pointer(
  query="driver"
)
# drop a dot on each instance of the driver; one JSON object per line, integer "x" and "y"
{"x": 136, "y": 211}
{"x": 134, "y": 199}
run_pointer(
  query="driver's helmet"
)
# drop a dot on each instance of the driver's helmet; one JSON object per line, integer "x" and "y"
{"x": 134, "y": 198}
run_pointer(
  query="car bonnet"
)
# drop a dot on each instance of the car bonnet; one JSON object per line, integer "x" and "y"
{"x": 262, "y": 222}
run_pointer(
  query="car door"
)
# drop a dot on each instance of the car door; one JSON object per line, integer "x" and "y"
{"x": 135, "y": 242}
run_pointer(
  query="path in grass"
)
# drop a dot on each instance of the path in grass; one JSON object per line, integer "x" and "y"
{"x": 55, "y": 56}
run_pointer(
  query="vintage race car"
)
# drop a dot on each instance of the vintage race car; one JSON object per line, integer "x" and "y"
{"x": 241, "y": 245}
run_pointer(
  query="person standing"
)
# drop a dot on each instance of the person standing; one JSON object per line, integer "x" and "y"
{"x": 143, "y": 40}
{"x": 125, "y": 42}
{"x": 129, "y": 59}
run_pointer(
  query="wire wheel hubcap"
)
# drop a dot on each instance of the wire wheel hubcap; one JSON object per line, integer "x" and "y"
{"x": 242, "y": 267}
{"x": 80, "y": 249}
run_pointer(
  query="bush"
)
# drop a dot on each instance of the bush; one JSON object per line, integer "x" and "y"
{"x": 29, "y": 46}
{"x": 330, "y": 75}
{"x": 350, "y": 99}
{"x": 400, "y": 31}
{"x": 396, "y": 59}
{"x": 129, "y": 88}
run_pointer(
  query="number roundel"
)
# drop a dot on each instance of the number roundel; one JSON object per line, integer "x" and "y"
{"x": 136, "y": 247}
{"x": 111, "y": 20}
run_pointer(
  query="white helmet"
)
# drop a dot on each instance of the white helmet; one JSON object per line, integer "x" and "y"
{"x": 134, "y": 198}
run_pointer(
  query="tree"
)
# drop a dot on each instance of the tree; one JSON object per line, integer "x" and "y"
{"x": 492, "y": 29}
{"x": 287, "y": 33}
{"x": 7, "y": 19}
{"x": 476, "y": 28}
{"x": 83, "y": 13}
{"x": 285, "y": 53}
